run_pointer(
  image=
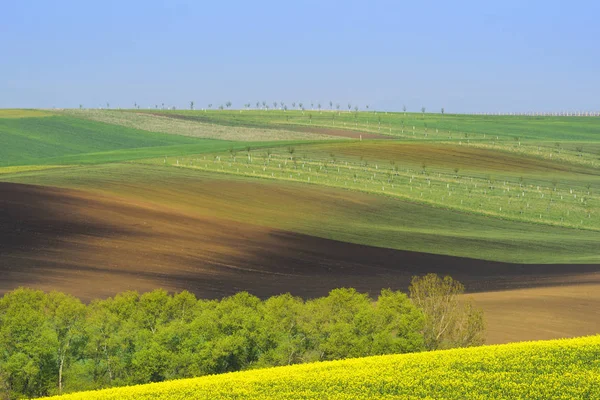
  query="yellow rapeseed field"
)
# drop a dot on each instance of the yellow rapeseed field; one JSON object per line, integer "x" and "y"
{"x": 556, "y": 369}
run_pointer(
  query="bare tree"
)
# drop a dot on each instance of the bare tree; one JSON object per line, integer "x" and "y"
{"x": 450, "y": 321}
{"x": 228, "y": 104}
{"x": 191, "y": 105}
{"x": 210, "y": 105}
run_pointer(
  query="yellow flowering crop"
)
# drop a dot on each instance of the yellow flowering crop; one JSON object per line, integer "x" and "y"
{"x": 556, "y": 369}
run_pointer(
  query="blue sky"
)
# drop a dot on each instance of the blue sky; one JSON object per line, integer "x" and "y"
{"x": 466, "y": 56}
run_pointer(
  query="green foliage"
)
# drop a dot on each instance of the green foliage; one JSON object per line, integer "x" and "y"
{"x": 555, "y": 369}
{"x": 52, "y": 343}
{"x": 449, "y": 320}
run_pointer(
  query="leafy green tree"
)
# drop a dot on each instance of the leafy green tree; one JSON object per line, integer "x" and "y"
{"x": 111, "y": 331}
{"x": 281, "y": 339}
{"x": 450, "y": 321}
{"x": 66, "y": 318}
{"x": 28, "y": 345}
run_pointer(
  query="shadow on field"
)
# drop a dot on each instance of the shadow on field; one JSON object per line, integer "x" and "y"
{"x": 95, "y": 246}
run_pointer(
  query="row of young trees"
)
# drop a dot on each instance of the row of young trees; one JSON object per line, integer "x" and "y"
{"x": 299, "y": 106}
{"x": 52, "y": 343}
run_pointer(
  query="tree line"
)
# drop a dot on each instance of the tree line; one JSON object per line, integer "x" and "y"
{"x": 52, "y": 343}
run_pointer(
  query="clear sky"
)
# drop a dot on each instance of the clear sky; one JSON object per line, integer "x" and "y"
{"x": 466, "y": 56}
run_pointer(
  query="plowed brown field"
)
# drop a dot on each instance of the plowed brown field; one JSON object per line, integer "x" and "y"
{"x": 93, "y": 245}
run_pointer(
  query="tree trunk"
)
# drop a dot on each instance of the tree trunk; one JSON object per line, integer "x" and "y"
{"x": 60, "y": 373}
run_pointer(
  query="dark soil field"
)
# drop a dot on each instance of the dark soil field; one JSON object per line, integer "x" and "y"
{"x": 449, "y": 156}
{"x": 94, "y": 245}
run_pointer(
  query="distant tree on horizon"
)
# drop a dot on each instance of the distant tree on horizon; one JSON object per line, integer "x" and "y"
{"x": 191, "y": 105}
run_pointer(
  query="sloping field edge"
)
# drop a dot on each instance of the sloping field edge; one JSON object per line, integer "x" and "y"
{"x": 558, "y": 369}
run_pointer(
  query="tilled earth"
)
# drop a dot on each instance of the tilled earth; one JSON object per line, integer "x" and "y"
{"x": 96, "y": 246}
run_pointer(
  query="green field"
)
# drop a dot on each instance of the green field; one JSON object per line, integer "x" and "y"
{"x": 328, "y": 212}
{"x": 561, "y": 369}
{"x": 449, "y": 126}
{"x": 477, "y": 192}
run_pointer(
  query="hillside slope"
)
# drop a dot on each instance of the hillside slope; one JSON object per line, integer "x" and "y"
{"x": 558, "y": 369}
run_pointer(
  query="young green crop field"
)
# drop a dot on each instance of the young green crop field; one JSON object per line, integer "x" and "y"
{"x": 327, "y": 211}
{"x": 432, "y": 182}
{"x": 559, "y": 369}
{"x": 413, "y": 126}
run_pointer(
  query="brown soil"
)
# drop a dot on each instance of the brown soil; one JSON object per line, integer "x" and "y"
{"x": 450, "y": 156}
{"x": 95, "y": 246}
{"x": 542, "y": 313}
